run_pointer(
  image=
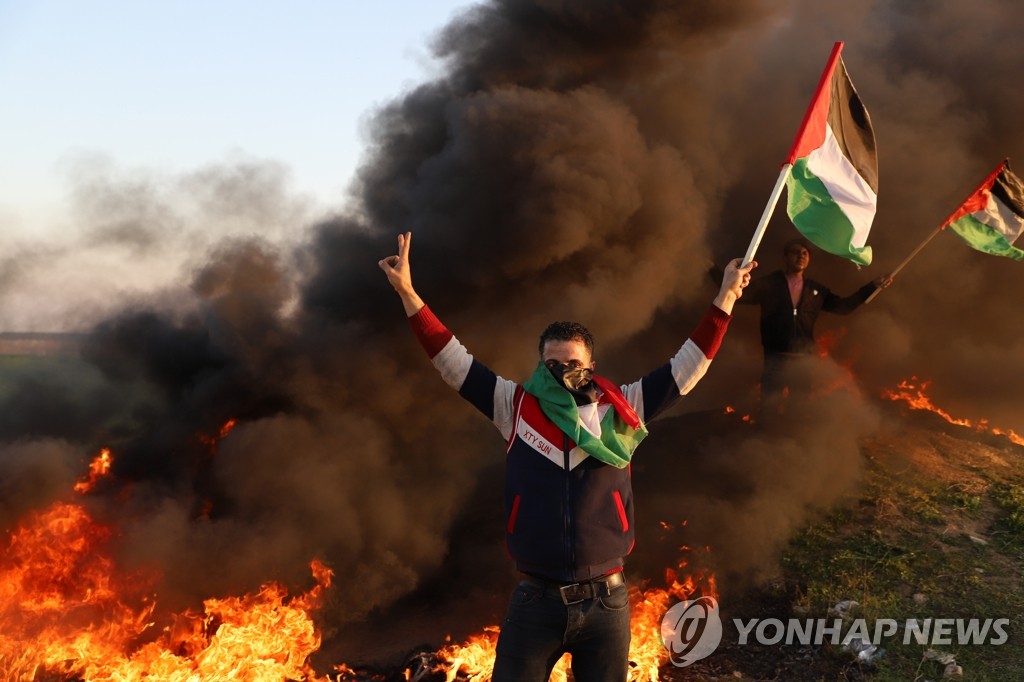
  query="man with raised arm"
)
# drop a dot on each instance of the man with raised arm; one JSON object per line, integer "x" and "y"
{"x": 790, "y": 304}
{"x": 570, "y": 435}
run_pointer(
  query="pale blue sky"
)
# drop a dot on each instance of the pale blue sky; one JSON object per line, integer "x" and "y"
{"x": 172, "y": 85}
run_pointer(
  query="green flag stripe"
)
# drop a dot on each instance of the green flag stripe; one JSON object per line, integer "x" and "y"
{"x": 985, "y": 238}
{"x": 819, "y": 217}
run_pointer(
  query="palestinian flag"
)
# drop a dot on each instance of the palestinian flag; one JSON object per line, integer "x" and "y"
{"x": 833, "y": 183}
{"x": 993, "y": 217}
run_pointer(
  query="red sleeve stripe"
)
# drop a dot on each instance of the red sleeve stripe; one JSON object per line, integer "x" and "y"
{"x": 432, "y": 334}
{"x": 711, "y": 330}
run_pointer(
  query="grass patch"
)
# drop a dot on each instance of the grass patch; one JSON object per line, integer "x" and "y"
{"x": 1011, "y": 499}
{"x": 945, "y": 543}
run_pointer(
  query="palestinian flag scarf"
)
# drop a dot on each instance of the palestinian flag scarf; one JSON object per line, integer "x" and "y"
{"x": 621, "y": 427}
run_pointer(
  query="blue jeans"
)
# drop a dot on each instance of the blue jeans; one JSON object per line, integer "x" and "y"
{"x": 539, "y": 628}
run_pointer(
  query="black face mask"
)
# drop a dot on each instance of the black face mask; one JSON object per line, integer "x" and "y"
{"x": 579, "y": 381}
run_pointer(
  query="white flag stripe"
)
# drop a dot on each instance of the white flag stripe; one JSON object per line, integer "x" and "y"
{"x": 845, "y": 185}
{"x": 1001, "y": 218}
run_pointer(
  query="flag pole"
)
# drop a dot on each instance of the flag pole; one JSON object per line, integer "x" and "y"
{"x": 917, "y": 250}
{"x": 892, "y": 275}
{"x": 755, "y": 241}
{"x": 810, "y": 120}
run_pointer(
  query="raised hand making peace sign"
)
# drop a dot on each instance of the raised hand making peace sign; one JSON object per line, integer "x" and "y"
{"x": 399, "y": 273}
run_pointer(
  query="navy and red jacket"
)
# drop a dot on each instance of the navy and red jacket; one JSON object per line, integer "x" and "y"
{"x": 569, "y": 516}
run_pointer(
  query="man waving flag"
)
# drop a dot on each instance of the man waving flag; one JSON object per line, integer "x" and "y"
{"x": 833, "y": 184}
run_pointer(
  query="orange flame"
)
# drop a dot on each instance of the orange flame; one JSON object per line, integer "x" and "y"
{"x": 98, "y": 468}
{"x": 213, "y": 440}
{"x": 827, "y": 341}
{"x": 914, "y": 392}
{"x": 66, "y": 610}
{"x": 226, "y": 428}
{"x": 729, "y": 409}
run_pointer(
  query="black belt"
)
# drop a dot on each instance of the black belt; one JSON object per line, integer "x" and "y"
{"x": 574, "y": 593}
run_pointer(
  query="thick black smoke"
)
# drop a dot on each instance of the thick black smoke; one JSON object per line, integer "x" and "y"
{"x": 583, "y": 160}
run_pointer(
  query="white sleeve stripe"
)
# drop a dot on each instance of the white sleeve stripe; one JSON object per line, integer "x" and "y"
{"x": 634, "y": 395}
{"x": 504, "y": 410}
{"x": 453, "y": 362}
{"x": 688, "y": 366}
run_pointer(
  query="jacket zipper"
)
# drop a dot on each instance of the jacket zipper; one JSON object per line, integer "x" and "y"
{"x": 569, "y": 549}
{"x": 796, "y": 319}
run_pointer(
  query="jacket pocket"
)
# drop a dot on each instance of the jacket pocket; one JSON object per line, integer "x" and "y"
{"x": 621, "y": 509}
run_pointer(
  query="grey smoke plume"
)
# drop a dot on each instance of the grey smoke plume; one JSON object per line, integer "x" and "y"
{"x": 582, "y": 160}
{"x": 137, "y": 234}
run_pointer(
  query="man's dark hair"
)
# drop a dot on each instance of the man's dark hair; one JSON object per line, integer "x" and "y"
{"x": 794, "y": 242}
{"x": 567, "y": 331}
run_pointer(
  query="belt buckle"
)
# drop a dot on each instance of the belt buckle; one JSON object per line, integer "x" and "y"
{"x": 580, "y": 593}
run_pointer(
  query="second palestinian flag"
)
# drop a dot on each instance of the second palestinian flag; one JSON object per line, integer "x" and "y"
{"x": 993, "y": 217}
{"x": 833, "y": 184}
